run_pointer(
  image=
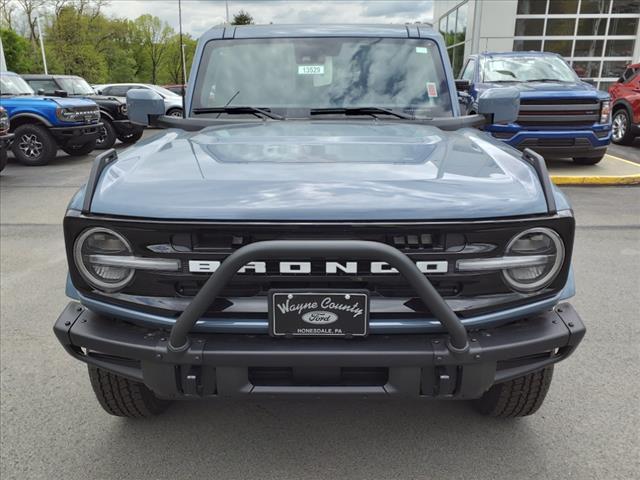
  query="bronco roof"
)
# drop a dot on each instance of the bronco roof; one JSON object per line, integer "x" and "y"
{"x": 321, "y": 30}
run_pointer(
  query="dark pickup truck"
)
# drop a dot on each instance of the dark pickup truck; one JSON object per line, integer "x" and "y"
{"x": 340, "y": 230}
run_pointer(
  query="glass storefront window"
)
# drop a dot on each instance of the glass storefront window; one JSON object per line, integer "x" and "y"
{"x": 588, "y": 48}
{"x": 625, "y": 6}
{"x": 619, "y": 48}
{"x": 561, "y": 26}
{"x": 532, "y": 7}
{"x": 592, "y": 26}
{"x": 528, "y": 27}
{"x": 562, "y": 47}
{"x": 563, "y": 7}
{"x": 587, "y": 68}
{"x": 461, "y": 23}
{"x": 595, "y": 6}
{"x": 623, "y": 26}
{"x": 613, "y": 68}
{"x": 527, "y": 45}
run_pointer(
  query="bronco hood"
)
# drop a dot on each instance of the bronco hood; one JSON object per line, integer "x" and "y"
{"x": 319, "y": 170}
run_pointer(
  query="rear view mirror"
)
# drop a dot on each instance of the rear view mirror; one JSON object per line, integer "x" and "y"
{"x": 40, "y": 91}
{"x": 500, "y": 105}
{"x": 463, "y": 85}
{"x": 143, "y": 105}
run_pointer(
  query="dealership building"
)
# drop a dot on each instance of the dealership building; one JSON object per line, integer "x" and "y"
{"x": 597, "y": 37}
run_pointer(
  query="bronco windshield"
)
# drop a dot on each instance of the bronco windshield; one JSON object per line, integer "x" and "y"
{"x": 14, "y": 85}
{"x": 323, "y": 73}
{"x": 76, "y": 86}
{"x": 526, "y": 68}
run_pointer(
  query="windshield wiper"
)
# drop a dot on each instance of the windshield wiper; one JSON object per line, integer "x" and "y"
{"x": 240, "y": 110}
{"x": 546, "y": 80}
{"x": 361, "y": 111}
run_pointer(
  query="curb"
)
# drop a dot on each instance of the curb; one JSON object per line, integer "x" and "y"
{"x": 610, "y": 180}
{"x": 596, "y": 180}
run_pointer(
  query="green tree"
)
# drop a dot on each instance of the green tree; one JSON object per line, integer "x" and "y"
{"x": 17, "y": 52}
{"x": 154, "y": 35}
{"x": 242, "y": 18}
{"x": 172, "y": 71}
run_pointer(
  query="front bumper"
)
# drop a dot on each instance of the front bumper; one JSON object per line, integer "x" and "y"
{"x": 125, "y": 127}
{"x": 556, "y": 143}
{"x": 76, "y": 135}
{"x": 399, "y": 365}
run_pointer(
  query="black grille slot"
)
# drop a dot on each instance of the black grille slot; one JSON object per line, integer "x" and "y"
{"x": 565, "y": 111}
{"x": 324, "y": 376}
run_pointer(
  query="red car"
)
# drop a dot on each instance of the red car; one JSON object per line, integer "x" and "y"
{"x": 625, "y": 98}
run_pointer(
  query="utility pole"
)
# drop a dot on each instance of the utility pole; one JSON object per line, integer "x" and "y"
{"x": 227, "y": 5}
{"x": 44, "y": 57}
{"x": 184, "y": 70}
{"x": 3, "y": 63}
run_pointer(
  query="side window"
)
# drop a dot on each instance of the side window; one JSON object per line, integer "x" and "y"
{"x": 469, "y": 69}
{"x": 116, "y": 90}
{"x": 49, "y": 86}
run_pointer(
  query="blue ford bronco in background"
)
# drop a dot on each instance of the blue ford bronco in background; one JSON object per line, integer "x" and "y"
{"x": 337, "y": 228}
{"x": 6, "y": 138}
{"x": 560, "y": 116}
{"x": 43, "y": 124}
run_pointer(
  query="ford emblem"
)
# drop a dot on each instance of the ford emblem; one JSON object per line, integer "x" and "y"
{"x": 319, "y": 317}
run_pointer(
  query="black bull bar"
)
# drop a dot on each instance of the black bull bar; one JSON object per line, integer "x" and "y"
{"x": 457, "y": 342}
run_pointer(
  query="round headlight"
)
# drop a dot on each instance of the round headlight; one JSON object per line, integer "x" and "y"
{"x": 547, "y": 246}
{"x": 95, "y": 243}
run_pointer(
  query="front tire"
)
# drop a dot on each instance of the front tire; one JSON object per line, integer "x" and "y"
{"x": 80, "y": 150}
{"x": 175, "y": 112}
{"x": 33, "y": 145}
{"x": 519, "y": 397}
{"x": 588, "y": 160}
{"x": 621, "y": 128}
{"x": 107, "y": 138}
{"x": 122, "y": 397}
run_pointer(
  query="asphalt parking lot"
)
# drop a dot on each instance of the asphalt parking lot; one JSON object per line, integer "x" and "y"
{"x": 52, "y": 427}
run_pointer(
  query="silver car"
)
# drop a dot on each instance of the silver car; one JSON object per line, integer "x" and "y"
{"x": 172, "y": 101}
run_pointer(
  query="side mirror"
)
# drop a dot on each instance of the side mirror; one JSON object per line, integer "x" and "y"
{"x": 40, "y": 91}
{"x": 500, "y": 105}
{"x": 143, "y": 105}
{"x": 60, "y": 93}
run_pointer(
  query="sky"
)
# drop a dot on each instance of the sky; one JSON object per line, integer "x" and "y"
{"x": 200, "y": 15}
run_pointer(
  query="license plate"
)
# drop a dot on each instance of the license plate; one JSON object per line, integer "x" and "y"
{"x": 318, "y": 314}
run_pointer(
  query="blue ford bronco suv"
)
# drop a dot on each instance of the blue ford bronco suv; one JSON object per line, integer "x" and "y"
{"x": 560, "y": 116}
{"x": 322, "y": 222}
{"x": 43, "y": 124}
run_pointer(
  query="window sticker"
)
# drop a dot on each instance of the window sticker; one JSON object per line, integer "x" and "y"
{"x": 422, "y": 50}
{"x": 432, "y": 91}
{"x": 310, "y": 69}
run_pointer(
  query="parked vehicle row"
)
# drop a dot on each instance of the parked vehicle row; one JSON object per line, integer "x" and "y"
{"x": 559, "y": 116}
{"x": 65, "y": 113}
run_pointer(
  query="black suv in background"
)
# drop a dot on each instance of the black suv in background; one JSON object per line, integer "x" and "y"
{"x": 113, "y": 110}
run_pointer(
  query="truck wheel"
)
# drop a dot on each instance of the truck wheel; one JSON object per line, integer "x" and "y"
{"x": 122, "y": 397}
{"x": 588, "y": 160}
{"x": 33, "y": 145}
{"x": 519, "y": 397}
{"x": 80, "y": 150}
{"x": 107, "y": 136}
{"x": 620, "y": 131}
{"x": 131, "y": 137}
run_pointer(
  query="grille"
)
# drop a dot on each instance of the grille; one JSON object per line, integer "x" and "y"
{"x": 567, "y": 112}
